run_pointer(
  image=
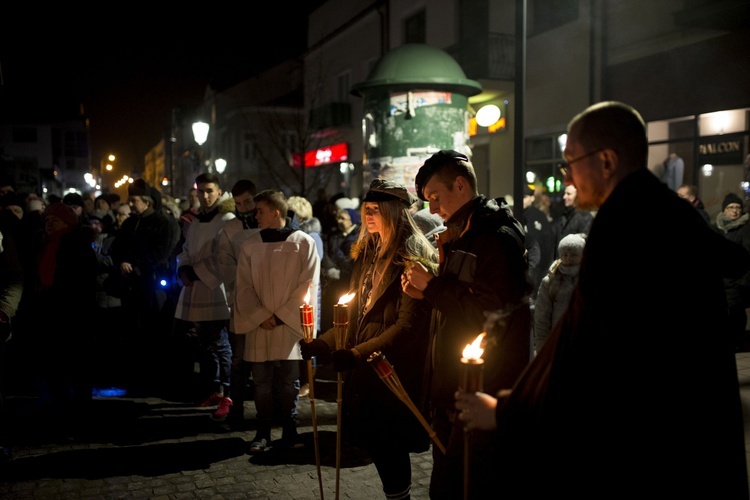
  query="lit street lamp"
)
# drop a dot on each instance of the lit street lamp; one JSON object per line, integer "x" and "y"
{"x": 221, "y": 165}
{"x": 200, "y": 132}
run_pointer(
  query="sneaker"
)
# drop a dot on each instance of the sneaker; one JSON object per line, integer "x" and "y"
{"x": 304, "y": 391}
{"x": 258, "y": 445}
{"x": 212, "y": 400}
{"x": 220, "y": 414}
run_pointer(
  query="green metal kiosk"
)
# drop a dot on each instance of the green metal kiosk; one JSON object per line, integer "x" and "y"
{"x": 415, "y": 103}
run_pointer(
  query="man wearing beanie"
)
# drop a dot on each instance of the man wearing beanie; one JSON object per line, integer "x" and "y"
{"x": 141, "y": 254}
{"x": 732, "y": 222}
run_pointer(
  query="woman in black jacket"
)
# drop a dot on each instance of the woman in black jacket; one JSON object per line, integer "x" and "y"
{"x": 383, "y": 318}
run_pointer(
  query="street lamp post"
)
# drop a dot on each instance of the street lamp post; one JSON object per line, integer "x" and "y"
{"x": 200, "y": 134}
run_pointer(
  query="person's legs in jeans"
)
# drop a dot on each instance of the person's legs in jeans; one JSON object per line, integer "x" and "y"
{"x": 239, "y": 376}
{"x": 215, "y": 338}
{"x": 262, "y": 373}
{"x": 287, "y": 386}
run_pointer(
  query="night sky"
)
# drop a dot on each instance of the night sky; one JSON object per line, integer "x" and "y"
{"x": 128, "y": 77}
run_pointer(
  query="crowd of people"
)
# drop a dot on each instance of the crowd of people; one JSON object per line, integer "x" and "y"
{"x": 591, "y": 348}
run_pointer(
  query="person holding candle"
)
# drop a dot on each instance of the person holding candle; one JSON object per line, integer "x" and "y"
{"x": 635, "y": 392}
{"x": 383, "y": 318}
{"x": 276, "y": 267}
{"x": 483, "y": 272}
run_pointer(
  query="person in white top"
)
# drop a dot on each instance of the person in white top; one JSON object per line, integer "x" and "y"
{"x": 202, "y": 300}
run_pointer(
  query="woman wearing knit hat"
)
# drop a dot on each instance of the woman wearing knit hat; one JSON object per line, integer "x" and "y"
{"x": 732, "y": 222}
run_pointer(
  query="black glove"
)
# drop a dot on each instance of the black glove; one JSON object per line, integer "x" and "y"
{"x": 343, "y": 360}
{"x": 316, "y": 347}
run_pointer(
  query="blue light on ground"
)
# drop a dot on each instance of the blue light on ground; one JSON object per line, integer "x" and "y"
{"x": 108, "y": 392}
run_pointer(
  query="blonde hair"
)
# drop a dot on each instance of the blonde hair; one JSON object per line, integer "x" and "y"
{"x": 300, "y": 206}
{"x": 399, "y": 241}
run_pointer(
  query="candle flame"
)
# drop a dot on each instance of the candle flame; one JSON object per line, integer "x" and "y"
{"x": 307, "y": 296}
{"x": 344, "y": 299}
{"x": 474, "y": 350}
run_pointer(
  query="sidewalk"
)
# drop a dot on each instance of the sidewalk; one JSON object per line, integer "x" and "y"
{"x": 132, "y": 447}
{"x": 140, "y": 448}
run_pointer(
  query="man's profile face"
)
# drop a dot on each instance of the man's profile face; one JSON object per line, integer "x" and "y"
{"x": 208, "y": 194}
{"x": 586, "y": 174}
{"x": 569, "y": 196}
{"x": 137, "y": 204}
{"x": 266, "y": 216}
{"x": 444, "y": 200}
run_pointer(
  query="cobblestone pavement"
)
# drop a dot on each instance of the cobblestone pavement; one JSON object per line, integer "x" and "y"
{"x": 147, "y": 447}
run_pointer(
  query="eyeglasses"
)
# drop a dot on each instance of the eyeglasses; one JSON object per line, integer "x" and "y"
{"x": 565, "y": 167}
{"x": 733, "y": 207}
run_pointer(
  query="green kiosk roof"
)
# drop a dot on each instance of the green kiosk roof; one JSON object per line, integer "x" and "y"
{"x": 418, "y": 66}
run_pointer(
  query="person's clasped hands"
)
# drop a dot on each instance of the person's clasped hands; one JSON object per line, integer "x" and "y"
{"x": 187, "y": 275}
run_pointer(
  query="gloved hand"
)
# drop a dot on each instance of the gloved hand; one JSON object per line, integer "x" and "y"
{"x": 187, "y": 275}
{"x": 316, "y": 347}
{"x": 333, "y": 273}
{"x": 343, "y": 360}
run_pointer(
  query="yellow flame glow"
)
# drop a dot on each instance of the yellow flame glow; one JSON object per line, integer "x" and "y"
{"x": 307, "y": 296}
{"x": 474, "y": 350}
{"x": 344, "y": 299}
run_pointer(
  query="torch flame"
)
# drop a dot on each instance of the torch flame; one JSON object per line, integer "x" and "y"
{"x": 307, "y": 296}
{"x": 344, "y": 299}
{"x": 474, "y": 350}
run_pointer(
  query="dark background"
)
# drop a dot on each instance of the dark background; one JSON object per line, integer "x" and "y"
{"x": 128, "y": 72}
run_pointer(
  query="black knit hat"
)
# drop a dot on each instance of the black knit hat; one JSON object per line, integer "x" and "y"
{"x": 385, "y": 190}
{"x": 139, "y": 188}
{"x": 11, "y": 198}
{"x": 433, "y": 164}
{"x": 732, "y": 198}
{"x": 73, "y": 199}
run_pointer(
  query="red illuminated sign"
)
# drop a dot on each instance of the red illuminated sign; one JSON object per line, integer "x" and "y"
{"x": 322, "y": 156}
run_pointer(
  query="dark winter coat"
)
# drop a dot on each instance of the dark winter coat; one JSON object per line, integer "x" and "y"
{"x": 540, "y": 242}
{"x": 738, "y": 231}
{"x": 572, "y": 221}
{"x": 398, "y": 326}
{"x": 636, "y": 389}
{"x": 484, "y": 270}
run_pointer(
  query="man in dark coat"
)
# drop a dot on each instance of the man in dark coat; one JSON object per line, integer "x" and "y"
{"x": 482, "y": 270}
{"x": 636, "y": 389}
{"x": 141, "y": 253}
